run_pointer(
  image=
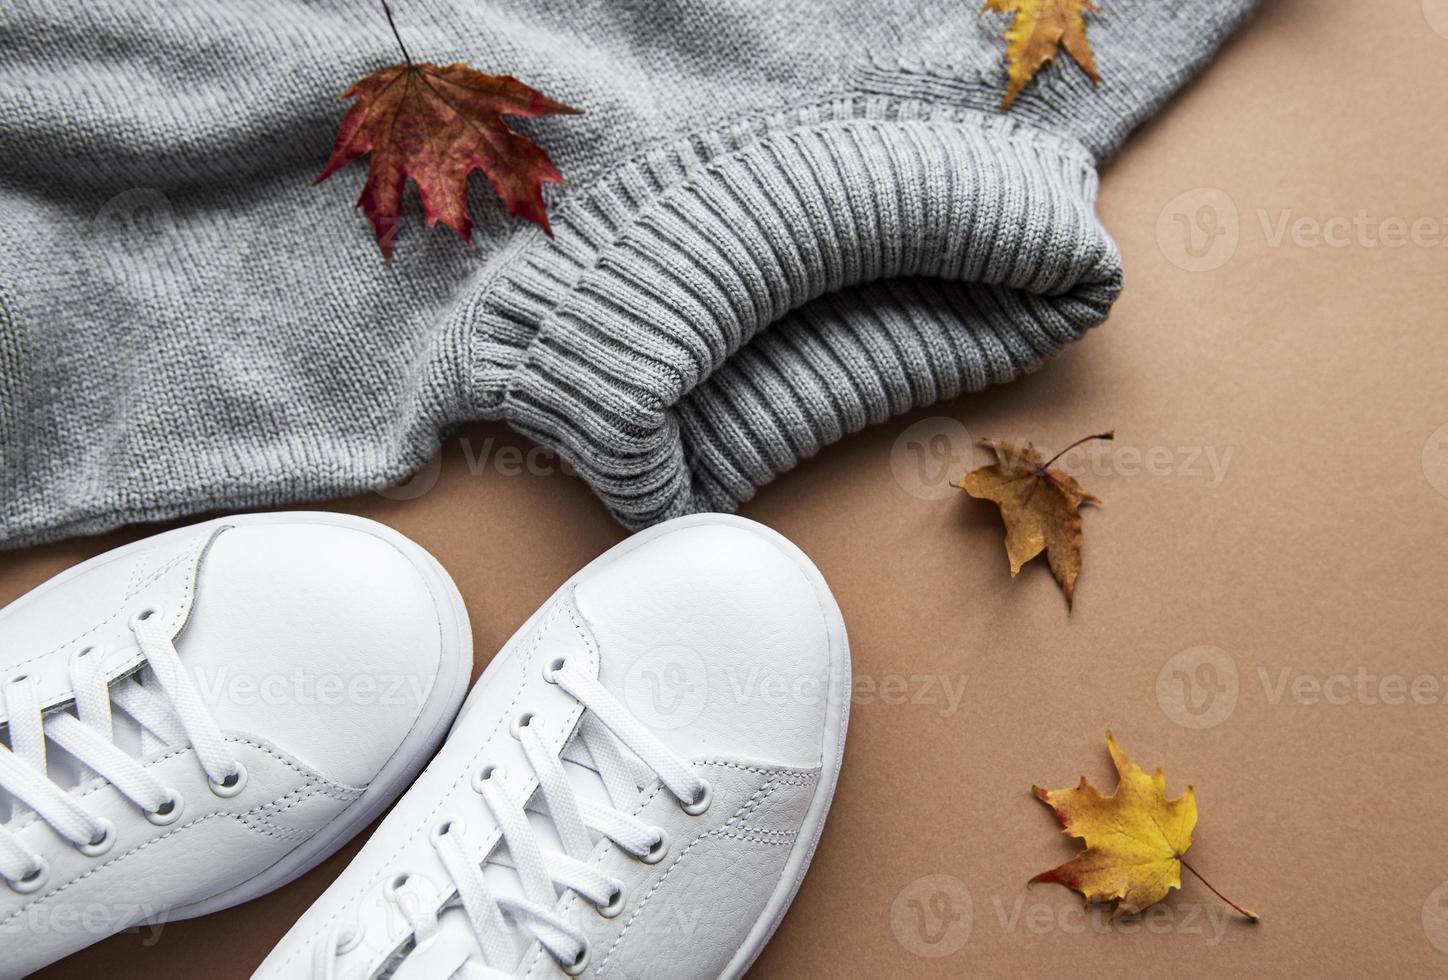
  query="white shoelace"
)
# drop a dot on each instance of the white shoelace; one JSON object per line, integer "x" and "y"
{"x": 170, "y": 713}
{"x": 606, "y": 729}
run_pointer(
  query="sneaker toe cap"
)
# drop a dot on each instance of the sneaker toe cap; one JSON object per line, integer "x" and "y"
{"x": 322, "y": 639}
{"x": 724, "y": 638}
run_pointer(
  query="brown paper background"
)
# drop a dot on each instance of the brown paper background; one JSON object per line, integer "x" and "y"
{"x": 1322, "y": 370}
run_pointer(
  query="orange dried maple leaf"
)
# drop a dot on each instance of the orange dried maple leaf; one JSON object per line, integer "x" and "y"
{"x": 1039, "y": 30}
{"x": 437, "y": 125}
{"x": 1040, "y": 507}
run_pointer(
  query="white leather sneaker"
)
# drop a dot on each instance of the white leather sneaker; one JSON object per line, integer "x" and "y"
{"x": 633, "y": 789}
{"x": 197, "y": 718}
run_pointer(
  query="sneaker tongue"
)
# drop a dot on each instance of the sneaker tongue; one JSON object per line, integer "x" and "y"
{"x": 455, "y": 931}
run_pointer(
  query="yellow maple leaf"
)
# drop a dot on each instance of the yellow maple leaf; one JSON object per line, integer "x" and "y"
{"x": 1039, "y": 30}
{"x": 1041, "y": 507}
{"x": 1135, "y": 838}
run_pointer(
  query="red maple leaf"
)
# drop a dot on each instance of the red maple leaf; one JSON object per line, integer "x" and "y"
{"x": 437, "y": 125}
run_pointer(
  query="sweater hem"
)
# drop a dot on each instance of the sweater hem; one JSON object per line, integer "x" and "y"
{"x": 710, "y": 314}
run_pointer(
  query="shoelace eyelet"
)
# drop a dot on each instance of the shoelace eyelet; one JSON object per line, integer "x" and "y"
{"x": 656, "y": 853}
{"x": 396, "y": 882}
{"x": 550, "y": 670}
{"x": 85, "y": 653}
{"x": 348, "y": 941}
{"x": 701, "y": 802}
{"x": 101, "y": 844}
{"x": 450, "y": 825}
{"x": 519, "y": 723}
{"x": 614, "y": 906}
{"x": 578, "y": 965}
{"x": 483, "y": 775}
{"x": 143, "y": 615}
{"x": 230, "y": 786}
{"x": 393, "y": 891}
{"x": 34, "y": 881}
{"x": 169, "y": 811}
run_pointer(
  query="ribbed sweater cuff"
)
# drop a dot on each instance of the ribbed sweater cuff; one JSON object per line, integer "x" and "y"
{"x": 712, "y": 312}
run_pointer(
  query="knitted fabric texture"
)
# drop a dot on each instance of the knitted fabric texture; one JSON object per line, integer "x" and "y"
{"x": 783, "y": 221}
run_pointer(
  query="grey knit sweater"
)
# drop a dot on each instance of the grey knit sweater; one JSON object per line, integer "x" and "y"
{"x": 784, "y": 220}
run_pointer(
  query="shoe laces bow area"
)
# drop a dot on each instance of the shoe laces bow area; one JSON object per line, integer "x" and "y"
{"x": 606, "y": 729}
{"x": 163, "y": 702}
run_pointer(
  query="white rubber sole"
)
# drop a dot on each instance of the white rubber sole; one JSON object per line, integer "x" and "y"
{"x": 832, "y": 737}
{"x": 455, "y": 665}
